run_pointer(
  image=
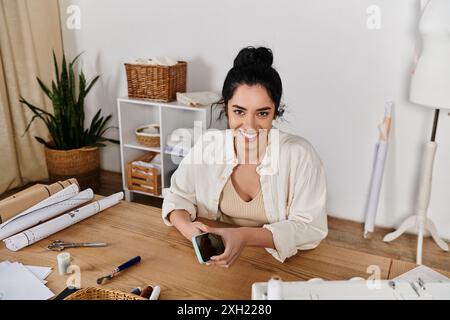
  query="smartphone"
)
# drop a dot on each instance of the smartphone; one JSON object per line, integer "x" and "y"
{"x": 207, "y": 245}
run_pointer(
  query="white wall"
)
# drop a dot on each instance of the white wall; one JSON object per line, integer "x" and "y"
{"x": 336, "y": 73}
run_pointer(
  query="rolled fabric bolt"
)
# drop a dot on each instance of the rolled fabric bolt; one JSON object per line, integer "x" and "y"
{"x": 147, "y": 292}
{"x": 155, "y": 293}
{"x": 136, "y": 291}
{"x": 63, "y": 262}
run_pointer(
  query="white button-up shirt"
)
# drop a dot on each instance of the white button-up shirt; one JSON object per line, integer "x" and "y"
{"x": 292, "y": 179}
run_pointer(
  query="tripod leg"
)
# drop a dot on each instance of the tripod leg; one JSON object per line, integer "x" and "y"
{"x": 407, "y": 224}
{"x": 432, "y": 228}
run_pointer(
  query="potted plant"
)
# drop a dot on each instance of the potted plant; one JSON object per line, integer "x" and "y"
{"x": 72, "y": 150}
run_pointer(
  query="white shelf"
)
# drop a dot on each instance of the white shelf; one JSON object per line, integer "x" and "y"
{"x": 134, "y": 113}
{"x": 141, "y": 147}
{"x": 173, "y": 105}
{"x": 145, "y": 193}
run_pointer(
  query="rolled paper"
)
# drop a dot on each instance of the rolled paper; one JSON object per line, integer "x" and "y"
{"x": 29, "y": 197}
{"x": 42, "y": 231}
{"x": 60, "y": 196}
{"x": 23, "y": 222}
{"x": 375, "y": 187}
{"x": 381, "y": 148}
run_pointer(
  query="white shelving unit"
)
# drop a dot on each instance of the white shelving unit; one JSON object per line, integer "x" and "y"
{"x": 133, "y": 113}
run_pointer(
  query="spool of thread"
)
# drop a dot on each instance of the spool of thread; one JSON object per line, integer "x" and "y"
{"x": 136, "y": 291}
{"x": 155, "y": 293}
{"x": 63, "y": 262}
{"x": 275, "y": 288}
{"x": 146, "y": 292}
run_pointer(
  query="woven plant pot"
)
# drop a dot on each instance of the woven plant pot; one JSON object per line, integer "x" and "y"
{"x": 82, "y": 164}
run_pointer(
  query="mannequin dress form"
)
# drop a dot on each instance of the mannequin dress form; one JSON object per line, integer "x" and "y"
{"x": 430, "y": 82}
{"x": 430, "y": 87}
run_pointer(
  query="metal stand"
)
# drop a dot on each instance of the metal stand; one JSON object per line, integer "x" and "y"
{"x": 420, "y": 221}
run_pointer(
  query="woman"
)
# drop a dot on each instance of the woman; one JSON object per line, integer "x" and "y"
{"x": 268, "y": 183}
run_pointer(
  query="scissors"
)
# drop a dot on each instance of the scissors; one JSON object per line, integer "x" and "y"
{"x": 59, "y": 245}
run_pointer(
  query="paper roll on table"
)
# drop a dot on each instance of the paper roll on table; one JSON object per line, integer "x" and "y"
{"x": 23, "y": 222}
{"x": 60, "y": 196}
{"x": 29, "y": 197}
{"x": 50, "y": 227}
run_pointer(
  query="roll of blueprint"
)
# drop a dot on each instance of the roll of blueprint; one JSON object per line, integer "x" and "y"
{"x": 25, "y": 199}
{"x": 60, "y": 196}
{"x": 50, "y": 227}
{"x": 381, "y": 148}
{"x": 375, "y": 187}
{"x": 23, "y": 222}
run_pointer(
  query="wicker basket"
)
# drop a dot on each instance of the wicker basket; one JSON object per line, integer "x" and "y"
{"x": 93, "y": 293}
{"x": 82, "y": 164}
{"x": 148, "y": 139}
{"x": 159, "y": 83}
{"x": 144, "y": 179}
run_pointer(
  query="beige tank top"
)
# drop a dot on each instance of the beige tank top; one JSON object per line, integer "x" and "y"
{"x": 237, "y": 211}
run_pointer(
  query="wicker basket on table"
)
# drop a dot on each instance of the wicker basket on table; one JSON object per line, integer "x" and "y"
{"x": 142, "y": 178}
{"x": 154, "y": 82}
{"x": 93, "y": 293}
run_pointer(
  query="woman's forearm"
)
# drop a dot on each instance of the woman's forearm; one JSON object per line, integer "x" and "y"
{"x": 179, "y": 217}
{"x": 258, "y": 237}
{"x": 181, "y": 220}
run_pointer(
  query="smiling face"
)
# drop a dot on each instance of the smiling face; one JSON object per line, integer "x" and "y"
{"x": 250, "y": 113}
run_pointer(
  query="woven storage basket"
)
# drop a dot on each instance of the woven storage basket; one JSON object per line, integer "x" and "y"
{"x": 142, "y": 178}
{"x": 82, "y": 164}
{"x": 93, "y": 293}
{"x": 159, "y": 83}
{"x": 148, "y": 139}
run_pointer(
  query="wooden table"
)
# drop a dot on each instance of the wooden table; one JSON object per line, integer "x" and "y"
{"x": 169, "y": 261}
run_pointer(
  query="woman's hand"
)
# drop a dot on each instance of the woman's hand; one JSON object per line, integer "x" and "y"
{"x": 181, "y": 220}
{"x": 188, "y": 230}
{"x": 234, "y": 241}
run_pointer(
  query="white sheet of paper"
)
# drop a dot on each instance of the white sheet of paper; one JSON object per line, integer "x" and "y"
{"x": 19, "y": 283}
{"x": 41, "y": 272}
{"x": 424, "y": 273}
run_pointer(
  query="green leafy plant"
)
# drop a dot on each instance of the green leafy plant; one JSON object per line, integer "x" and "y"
{"x": 66, "y": 124}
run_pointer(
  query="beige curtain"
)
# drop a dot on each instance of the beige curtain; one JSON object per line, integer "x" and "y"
{"x": 29, "y": 31}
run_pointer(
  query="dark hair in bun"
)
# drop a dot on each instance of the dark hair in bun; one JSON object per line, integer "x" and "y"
{"x": 253, "y": 66}
{"x": 256, "y": 57}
